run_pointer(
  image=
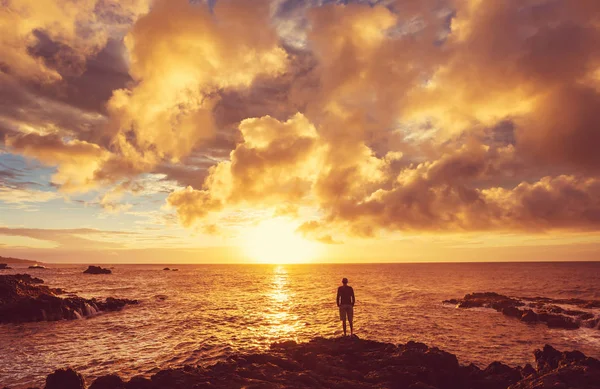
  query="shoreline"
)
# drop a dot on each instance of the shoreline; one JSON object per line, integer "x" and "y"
{"x": 354, "y": 363}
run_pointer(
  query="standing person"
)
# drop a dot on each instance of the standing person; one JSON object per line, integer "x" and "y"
{"x": 345, "y": 302}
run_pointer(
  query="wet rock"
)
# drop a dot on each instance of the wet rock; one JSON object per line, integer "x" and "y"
{"x": 4, "y": 266}
{"x": 548, "y": 313}
{"x": 451, "y": 301}
{"x": 23, "y": 299}
{"x": 355, "y": 363}
{"x": 37, "y": 267}
{"x": 167, "y": 269}
{"x": 65, "y": 379}
{"x": 529, "y": 316}
{"x": 555, "y": 369}
{"x": 512, "y": 312}
{"x": 97, "y": 270}
{"x": 111, "y": 381}
{"x": 114, "y": 304}
{"x": 175, "y": 269}
{"x": 558, "y": 321}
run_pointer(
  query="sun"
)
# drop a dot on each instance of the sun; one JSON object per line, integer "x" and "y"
{"x": 276, "y": 241}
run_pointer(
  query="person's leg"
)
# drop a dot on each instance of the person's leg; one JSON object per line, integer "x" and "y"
{"x": 351, "y": 319}
{"x": 344, "y": 324}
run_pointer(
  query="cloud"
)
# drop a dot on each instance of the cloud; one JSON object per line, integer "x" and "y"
{"x": 277, "y": 161}
{"x": 181, "y": 56}
{"x": 81, "y": 29}
{"x": 80, "y": 238}
{"x": 381, "y": 82}
{"x": 355, "y": 119}
{"x": 77, "y": 160}
{"x": 11, "y": 195}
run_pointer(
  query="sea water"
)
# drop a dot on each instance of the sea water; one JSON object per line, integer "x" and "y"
{"x": 200, "y": 314}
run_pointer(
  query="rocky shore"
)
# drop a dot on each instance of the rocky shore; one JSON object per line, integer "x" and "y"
{"x": 555, "y": 313}
{"x": 354, "y": 363}
{"x": 24, "y": 299}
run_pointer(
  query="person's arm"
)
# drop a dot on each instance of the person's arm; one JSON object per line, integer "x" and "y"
{"x": 352, "y": 299}
{"x": 337, "y": 299}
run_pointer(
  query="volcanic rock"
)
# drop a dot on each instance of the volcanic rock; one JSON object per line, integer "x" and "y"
{"x": 361, "y": 364}
{"x": 111, "y": 381}
{"x": 557, "y": 369}
{"x": 97, "y": 270}
{"x": 114, "y": 304}
{"x": 65, "y": 379}
{"x": 548, "y": 312}
{"x": 22, "y": 299}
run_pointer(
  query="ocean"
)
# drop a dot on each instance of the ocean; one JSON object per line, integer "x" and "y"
{"x": 200, "y": 314}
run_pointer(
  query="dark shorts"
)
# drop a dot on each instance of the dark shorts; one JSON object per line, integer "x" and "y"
{"x": 346, "y": 311}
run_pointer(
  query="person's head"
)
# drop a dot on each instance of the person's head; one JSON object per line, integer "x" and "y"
{"x": 345, "y": 281}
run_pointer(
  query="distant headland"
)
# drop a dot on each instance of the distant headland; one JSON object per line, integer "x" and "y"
{"x": 11, "y": 260}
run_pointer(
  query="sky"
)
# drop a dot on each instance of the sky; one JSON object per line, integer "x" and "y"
{"x": 176, "y": 131}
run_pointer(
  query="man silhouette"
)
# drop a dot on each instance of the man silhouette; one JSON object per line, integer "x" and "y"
{"x": 345, "y": 302}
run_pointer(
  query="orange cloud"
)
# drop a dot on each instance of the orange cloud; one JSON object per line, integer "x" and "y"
{"x": 181, "y": 55}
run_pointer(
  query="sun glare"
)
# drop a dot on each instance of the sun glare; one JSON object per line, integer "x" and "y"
{"x": 276, "y": 241}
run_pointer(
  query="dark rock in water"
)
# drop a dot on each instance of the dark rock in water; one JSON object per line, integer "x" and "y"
{"x": 22, "y": 299}
{"x": 111, "y": 381}
{"x": 529, "y": 316}
{"x": 166, "y": 268}
{"x": 451, "y": 301}
{"x": 113, "y": 304}
{"x": 557, "y": 321}
{"x": 548, "y": 313}
{"x": 37, "y": 267}
{"x": 355, "y": 363}
{"x": 4, "y": 266}
{"x": 555, "y": 369}
{"x": 175, "y": 269}
{"x": 512, "y": 312}
{"x": 65, "y": 379}
{"x": 97, "y": 270}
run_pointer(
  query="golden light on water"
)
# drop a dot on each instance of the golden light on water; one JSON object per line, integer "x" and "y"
{"x": 282, "y": 323}
{"x": 276, "y": 241}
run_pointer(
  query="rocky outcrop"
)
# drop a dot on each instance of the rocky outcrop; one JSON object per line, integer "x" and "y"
{"x": 4, "y": 266}
{"x": 97, "y": 270}
{"x": 65, "y": 379}
{"x": 359, "y": 364}
{"x": 535, "y": 309}
{"x": 37, "y": 267}
{"x": 557, "y": 369}
{"x": 167, "y": 269}
{"x": 24, "y": 299}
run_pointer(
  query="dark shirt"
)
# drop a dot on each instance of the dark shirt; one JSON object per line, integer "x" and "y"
{"x": 345, "y": 295}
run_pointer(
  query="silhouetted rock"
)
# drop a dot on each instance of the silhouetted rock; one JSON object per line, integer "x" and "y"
{"x": 97, "y": 270}
{"x": 175, "y": 269}
{"x": 166, "y": 268}
{"x": 548, "y": 312}
{"x": 111, "y": 381}
{"x": 4, "y": 266}
{"x": 22, "y": 299}
{"x": 113, "y": 304}
{"x": 555, "y": 369}
{"x": 37, "y": 267}
{"x": 355, "y": 363}
{"x": 529, "y": 316}
{"x": 65, "y": 379}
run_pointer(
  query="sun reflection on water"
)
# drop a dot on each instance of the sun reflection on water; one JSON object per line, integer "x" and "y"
{"x": 282, "y": 322}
